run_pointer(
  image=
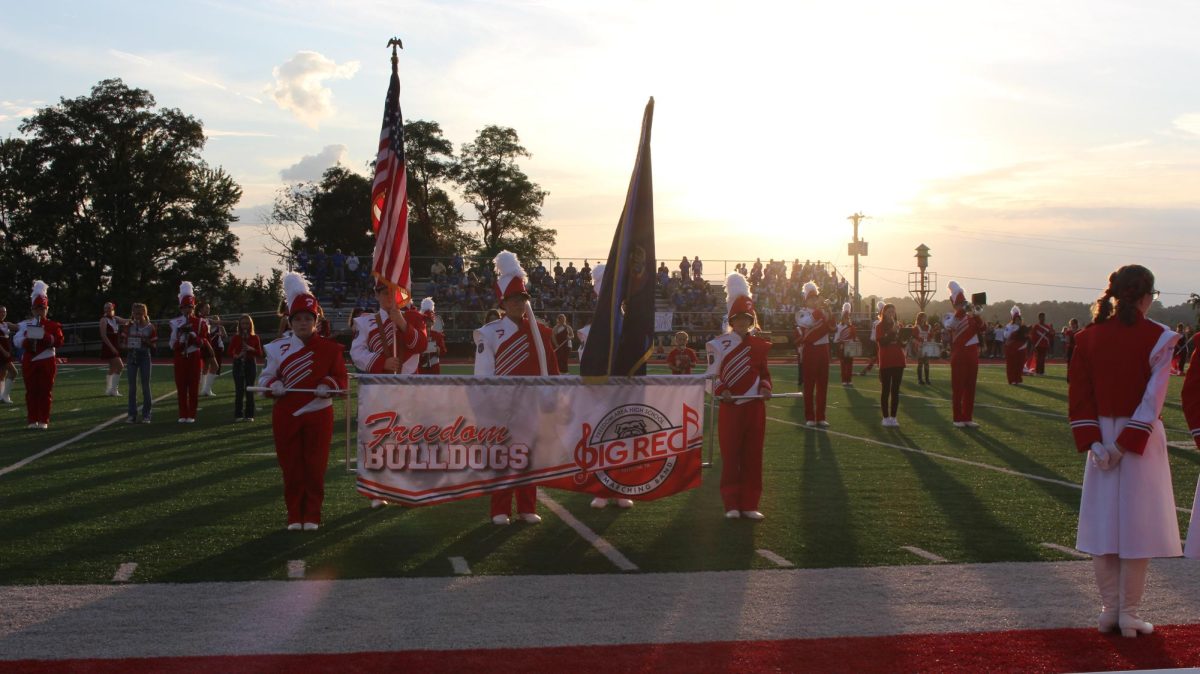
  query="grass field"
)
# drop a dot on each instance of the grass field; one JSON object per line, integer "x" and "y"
{"x": 203, "y": 502}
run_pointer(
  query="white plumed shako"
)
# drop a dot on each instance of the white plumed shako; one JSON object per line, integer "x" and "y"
{"x": 40, "y": 296}
{"x": 1015, "y": 311}
{"x": 187, "y": 294}
{"x": 810, "y": 290}
{"x": 957, "y": 294}
{"x": 510, "y": 277}
{"x": 427, "y": 306}
{"x": 737, "y": 296}
{"x": 299, "y": 298}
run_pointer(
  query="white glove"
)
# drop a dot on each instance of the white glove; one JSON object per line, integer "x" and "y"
{"x": 322, "y": 391}
{"x": 1099, "y": 454}
{"x": 278, "y": 389}
{"x": 1114, "y": 456}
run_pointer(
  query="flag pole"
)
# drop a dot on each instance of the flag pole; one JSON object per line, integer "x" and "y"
{"x": 395, "y": 43}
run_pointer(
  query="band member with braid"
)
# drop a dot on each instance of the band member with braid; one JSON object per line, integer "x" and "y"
{"x": 302, "y": 421}
{"x": 815, "y": 325}
{"x": 1016, "y": 343}
{"x": 1041, "y": 337}
{"x": 737, "y": 361}
{"x": 189, "y": 342}
{"x": 844, "y": 335}
{"x": 964, "y": 327}
{"x": 516, "y": 346}
{"x": 40, "y": 338}
{"x": 1115, "y": 399}
{"x": 435, "y": 346}
{"x": 922, "y": 335}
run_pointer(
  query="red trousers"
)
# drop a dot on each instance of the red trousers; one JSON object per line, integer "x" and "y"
{"x": 39, "y": 388}
{"x": 816, "y": 381}
{"x": 1014, "y": 364}
{"x": 526, "y": 501}
{"x": 964, "y": 369}
{"x": 847, "y": 369}
{"x": 740, "y": 429}
{"x": 187, "y": 383}
{"x": 302, "y": 447}
{"x": 1040, "y": 359}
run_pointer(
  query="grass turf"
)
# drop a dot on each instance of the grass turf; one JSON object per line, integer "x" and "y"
{"x": 203, "y": 502}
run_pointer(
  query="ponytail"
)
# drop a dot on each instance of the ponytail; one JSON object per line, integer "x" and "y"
{"x": 1126, "y": 287}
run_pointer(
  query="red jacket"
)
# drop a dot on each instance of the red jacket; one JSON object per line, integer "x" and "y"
{"x": 1191, "y": 398}
{"x": 300, "y": 365}
{"x": 964, "y": 330}
{"x": 681, "y": 360}
{"x": 39, "y": 349}
{"x": 253, "y": 341}
{"x": 1040, "y": 336}
{"x": 739, "y": 364}
{"x": 503, "y": 348}
{"x": 371, "y": 343}
{"x": 891, "y": 351}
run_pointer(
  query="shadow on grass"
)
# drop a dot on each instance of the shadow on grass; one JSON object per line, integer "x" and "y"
{"x": 828, "y": 531}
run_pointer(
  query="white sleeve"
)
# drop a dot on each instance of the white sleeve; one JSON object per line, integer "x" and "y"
{"x": 714, "y": 365}
{"x": 270, "y": 371}
{"x": 19, "y": 338}
{"x": 1149, "y": 409}
{"x": 360, "y": 352}
{"x": 485, "y": 358}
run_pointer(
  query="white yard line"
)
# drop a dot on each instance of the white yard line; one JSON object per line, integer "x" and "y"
{"x": 774, "y": 558}
{"x": 124, "y": 572}
{"x": 1067, "y": 551}
{"x": 296, "y": 568}
{"x": 923, "y": 554}
{"x": 30, "y": 459}
{"x": 460, "y": 567}
{"x": 602, "y": 546}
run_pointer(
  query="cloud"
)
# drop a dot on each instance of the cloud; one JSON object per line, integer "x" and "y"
{"x": 164, "y": 66}
{"x": 300, "y": 85}
{"x": 311, "y": 166}
{"x": 1189, "y": 123}
{"x": 16, "y": 110}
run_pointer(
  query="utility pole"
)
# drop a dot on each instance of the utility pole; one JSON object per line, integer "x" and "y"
{"x": 922, "y": 284}
{"x": 855, "y": 249}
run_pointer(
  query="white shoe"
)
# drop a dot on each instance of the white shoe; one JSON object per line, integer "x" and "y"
{"x": 6, "y": 400}
{"x": 960, "y": 424}
{"x": 311, "y": 526}
{"x": 238, "y": 419}
{"x": 810, "y": 424}
{"x": 294, "y": 526}
{"x": 752, "y": 515}
{"x": 44, "y": 427}
{"x": 895, "y": 422}
{"x": 971, "y": 424}
{"x": 531, "y": 518}
{"x": 34, "y": 426}
{"x": 732, "y": 514}
{"x": 250, "y": 419}
{"x": 624, "y": 503}
{"x": 823, "y": 424}
{"x": 886, "y": 423}
{"x": 378, "y": 503}
{"x": 182, "y": 420}
{"x": 190, "y": 420}
{"x": 599, "y": 503}
{"x": 500, "y": 519}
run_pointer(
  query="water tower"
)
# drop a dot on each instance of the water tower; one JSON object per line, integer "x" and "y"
{"x": 922, "y": 284}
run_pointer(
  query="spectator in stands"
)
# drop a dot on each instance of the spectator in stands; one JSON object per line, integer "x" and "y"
{"x": 685, "y": 269}
{"x": 456, "y": 263}
{"x": 697, "y": 268}
{"x": 756, "y": 272}
{"x": 558, "y": 272}
{"x": 571, "y": 273}
{"x": 585, "y": 272}
{"x": 352, "y": 267}
{"x": 437, "y": 270}
{"x": 338, "y": 265}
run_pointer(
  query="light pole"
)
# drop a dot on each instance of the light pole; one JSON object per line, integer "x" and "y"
{"x": 856, "y": 248}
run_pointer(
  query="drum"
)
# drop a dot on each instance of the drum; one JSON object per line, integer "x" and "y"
{"x": 931, "y": 350}
{"x": 852, "y": 349}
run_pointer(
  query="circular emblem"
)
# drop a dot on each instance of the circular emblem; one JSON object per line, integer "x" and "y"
{"x": 631, "y": 421}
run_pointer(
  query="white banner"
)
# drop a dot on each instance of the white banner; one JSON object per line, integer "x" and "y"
{"x": 426, "y": 439}
{"x": 664, "y": 321}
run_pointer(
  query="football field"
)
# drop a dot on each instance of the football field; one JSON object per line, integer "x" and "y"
{"x": 203, "y": 502}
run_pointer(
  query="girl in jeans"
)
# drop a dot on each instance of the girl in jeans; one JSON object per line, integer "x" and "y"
{"x": 891, "y": 363}
{"x": 139, "y": 336}
{"x": 245, "y": 348}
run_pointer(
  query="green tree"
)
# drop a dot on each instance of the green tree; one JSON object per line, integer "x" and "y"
{"x": 507, "y": 202}
{"x": 341, "y": 213}
{"x": 434, "y": 221}
{"x": 106, "y": 197}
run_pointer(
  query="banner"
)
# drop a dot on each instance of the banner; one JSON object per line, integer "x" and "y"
{"x": 425, "y": 440}
{"x": 664, "y": 321}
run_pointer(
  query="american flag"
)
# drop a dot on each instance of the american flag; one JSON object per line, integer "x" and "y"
{"x": 389, "y": 201}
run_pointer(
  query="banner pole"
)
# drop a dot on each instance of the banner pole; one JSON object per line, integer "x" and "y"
{"x": 710, "y": 422}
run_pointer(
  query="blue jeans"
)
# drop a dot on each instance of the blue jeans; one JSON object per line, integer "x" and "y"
{"x": 138, "y": 366}
{"x": 245, "y": 372}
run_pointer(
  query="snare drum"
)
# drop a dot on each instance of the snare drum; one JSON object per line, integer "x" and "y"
{"x": 852, "y": 349}
{"x": 35, "y": 332}
{"x": 931, "y": 350}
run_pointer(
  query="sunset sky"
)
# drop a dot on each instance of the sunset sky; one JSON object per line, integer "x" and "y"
{"x": 1037, "y": 145}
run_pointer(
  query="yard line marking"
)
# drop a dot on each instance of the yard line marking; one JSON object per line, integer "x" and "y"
{"x": 945, "y": 457}
{"x": 124, "y": 572}
{"x": 923, "y": 554}
{"x": 77, "y": 409}
{"x": 460, "y": 566}
{"x": 774, "y": 558}
{"x": 30, "y": 459}
{"x": 1067, "y": 551}
{"x": 296, "y": 568}
{"x": 602, "y": 546}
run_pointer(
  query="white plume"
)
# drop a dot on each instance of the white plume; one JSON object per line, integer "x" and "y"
{"x": 1015, "y": 311}
{"x": 735, "y": 286}
{"x": 186, "y": 290}
{"x": 40, "y": 289}
{"x": 846, "y": 308}
{"x": 955, "y": 289}
{"x": 811, "y": 287}
{"x": 879, "y": 306}
{"x": 294, "y": 285}
{"x": 427, "y": 304}
{"x": 508, "y": 265}
{"x": 597, "y": 277}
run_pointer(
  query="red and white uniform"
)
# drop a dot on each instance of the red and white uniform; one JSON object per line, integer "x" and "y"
{"x": 1069, "y": 345}
{"x": 1040, "y": 337}
{"x": 39, "y": 367}
{"x": 374, "y": 337}
{"x": 111, "y": 330}
{"x": 1191, "y": 412}
{"x": 815, "y": 328}
{"x": 435, "y": 348}
{"x": 843, "y": 334}
{"x": 5, "y": 346}
{"x": 302, "y": 423}
{"x": 964, "y": 362}
{"x": 503, "y": 348}
{"x": 739, "y": 365}
{"x": 1115, "y": 396}
{"x": 921, "y": 336}
{"x": 681, "y": 360}
{"x": 188, "y": 347}
{"x": 1015, "y": 350}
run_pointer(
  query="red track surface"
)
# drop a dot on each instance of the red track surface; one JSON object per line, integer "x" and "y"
{"x": 1059, "y": 650}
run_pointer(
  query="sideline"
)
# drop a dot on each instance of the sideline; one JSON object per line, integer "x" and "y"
{"x": 604, "y": 547}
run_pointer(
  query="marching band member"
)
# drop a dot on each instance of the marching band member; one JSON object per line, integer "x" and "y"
{"x": 875, "y": 356}
{"x": 189, "y": 339}
{"x": 209, "y": 365}
{"x": 110, "y": 330}
{"x": 435, "y": 345}
{"x": 891, "y": 364}
{"x": 245, "y": 348}
{"x": 798, "y": 343}
{"x": 39, "y": 337}
{"x": 302, "y": 423}
{"x": 963, "y": 326}
{"x": 1127, "y": 508}
{"x": 563, "y": 334}
{"x": 844, "y": 334}
{"x": 1015, "y": 344}
{"x": 682, "y": 358}
{"x": 377, "y": 349}
{"x": 1069, "y": 334}
{"x": 8, "y": 371}
{"x": 582, "y": 333}
{"x": 814, "y": 326}
{"x": 737, "y": 361}
{"x": 1041, "y": 334}
{"x": 1191, "y": 413}
{"x": 922, "y": 335}
{"x": 508, "y": 347}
